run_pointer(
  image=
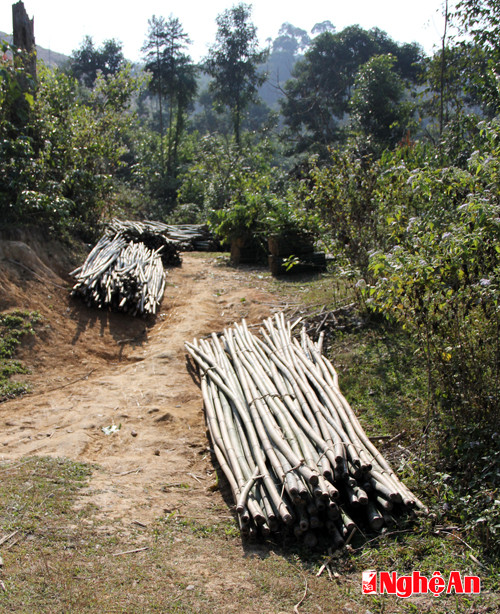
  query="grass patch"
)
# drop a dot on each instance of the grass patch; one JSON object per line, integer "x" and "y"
{"x": 13, "y": 327}
{"x": 313, "y": 291}
{"x": 35, "y": 491}
{"x": 62, "y": 559}
{"x": 201, "y": 528}
{"x": 383, "y": 375}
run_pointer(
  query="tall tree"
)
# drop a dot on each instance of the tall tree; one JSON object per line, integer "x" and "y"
{"x": 153, "y": 49}
{"x": 87, "y": 61}
{"x": 173, "y": 79}
{"x": 285, "y": 50}
{"x": 233, "y": 63}
{"x": 481, "y": 20}
{"x": 459, "y": 86}
{"x": 291, "y": 40}
{"x": 378, "y": 112}
{"x": 321, "y": 27}
{"x": 317, "y": 96}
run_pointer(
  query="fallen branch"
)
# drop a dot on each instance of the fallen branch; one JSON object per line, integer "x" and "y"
{"x": 138, "y": 470}
{"x": 79, "y": 379}
{"x": 131, "y": 551}
{"x": 296, "y": 607}
{"x": 388, "y": 534}
{"x": 7, "y": 537}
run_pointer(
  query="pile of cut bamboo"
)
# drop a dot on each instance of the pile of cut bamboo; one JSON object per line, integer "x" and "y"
{"x": 124, "y": 271}
{"x": 151, "y": 234}
{"x": 186, "y": 237}
{"x": 292, "y": 449}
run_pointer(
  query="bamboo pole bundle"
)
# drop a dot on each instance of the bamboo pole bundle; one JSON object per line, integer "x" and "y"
{"x": 121, "y": 276}
{"x": 290, "y": 445}
{"x": 183, "y": 236}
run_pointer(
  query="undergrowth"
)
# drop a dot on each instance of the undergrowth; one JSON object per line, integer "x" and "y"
{"x": 383, "y": 374}
{"x": 13, "y": 326}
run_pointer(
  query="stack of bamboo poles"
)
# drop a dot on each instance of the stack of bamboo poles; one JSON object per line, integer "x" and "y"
{"x": 122, "y": 276}
{"x": 185, "y": 236}
{"x": 293, "y": 452}
{"x": 152, "y": 234}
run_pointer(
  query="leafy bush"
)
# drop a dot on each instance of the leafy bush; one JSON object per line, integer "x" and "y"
{"x": 425, "y": 236}
{"x": 343, "y": 195}
{"x": 13, "y": 326}
{"x": 16, "y": 90}
{"x": 444, "y": 287}
{"x": 219, "y": 170}
{"x": 58, "y": 164}
{"x": 241, "y": 193}
{"x": 255, "y": 212}
{"x": 440, "y": 279}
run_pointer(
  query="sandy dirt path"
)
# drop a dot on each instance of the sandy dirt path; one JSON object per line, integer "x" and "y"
{"x": 92, "y": 370}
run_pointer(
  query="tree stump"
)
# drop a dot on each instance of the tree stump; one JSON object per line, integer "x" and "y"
{"x": 24, "y": 35}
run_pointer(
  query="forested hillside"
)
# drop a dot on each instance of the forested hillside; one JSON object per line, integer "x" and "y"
{"x": 47, "y": 56}
{"x": 387, "y": 157}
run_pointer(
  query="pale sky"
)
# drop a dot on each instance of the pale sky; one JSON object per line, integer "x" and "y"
{"x": 60, "y": 25}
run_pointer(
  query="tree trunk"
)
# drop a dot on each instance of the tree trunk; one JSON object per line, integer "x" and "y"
{"x": 24, "y": 37}
{"x": 443, "y": 67}
{"x": 179, "y": 127}
{"x": 236, "y": 123}
{"x": 160, "y": 107}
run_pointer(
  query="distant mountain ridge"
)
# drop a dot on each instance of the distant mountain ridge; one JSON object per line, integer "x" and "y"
{"x": 49, "y": 57}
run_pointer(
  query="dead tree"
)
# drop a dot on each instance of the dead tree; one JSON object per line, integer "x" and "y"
{"x": 24, "y": 36}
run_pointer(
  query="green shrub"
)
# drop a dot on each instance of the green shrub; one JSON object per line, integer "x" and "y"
{"x": 444, "y": 288}
{"x": 58, "y": 165}
{"x": 425, "y": 237}
{"x": 343, "y": 195}
{"x": 13, "y": 326}
{"x": 440, "y": 279}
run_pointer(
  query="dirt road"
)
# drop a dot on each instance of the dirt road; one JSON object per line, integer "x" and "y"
{"x": 93, "y": 369}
